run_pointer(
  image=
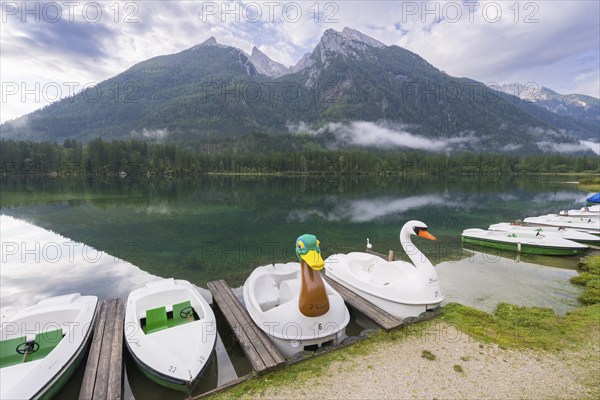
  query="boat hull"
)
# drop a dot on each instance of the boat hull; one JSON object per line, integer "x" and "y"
{"x": 525, "y": 247}
{"x": 177, "y": 353}
{"x": 44, "y": 377}
{"x": 61, "y": 380}
{"x": 397, "y": 287}
{"x": 397, "y": 309}
{"x": 166, "y": 381}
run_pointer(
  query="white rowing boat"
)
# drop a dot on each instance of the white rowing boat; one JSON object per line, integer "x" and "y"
{"x": 525, "y": 242}
{"x": 171, "y": 332}
{"x": 548, "y": 231}
{"x": 588, "y": 225}
{"x": 42, "y": 345}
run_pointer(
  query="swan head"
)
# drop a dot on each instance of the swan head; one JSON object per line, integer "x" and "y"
{"x": 417, "y": 228}
{"x": 308, "y": 250}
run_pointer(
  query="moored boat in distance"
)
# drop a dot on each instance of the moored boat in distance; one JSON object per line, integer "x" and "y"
{"x": 588, "y": 225}
{"x": 548, "y": 231}
{"x": 170, "y": 330}
{"x": 292, "y": 303}
{"x": 525, "y": 243}
{"x": 42, "y": 345}
{"x": 398, "y": 287}
{"x": 579, "y": 213}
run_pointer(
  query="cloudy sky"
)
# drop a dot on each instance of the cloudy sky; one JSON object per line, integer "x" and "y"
{"x": 51, "y": 49}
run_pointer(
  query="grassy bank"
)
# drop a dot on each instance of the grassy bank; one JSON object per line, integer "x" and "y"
{"x": 589, "y": 279}
{"x": 589, "y": 184}
{"x": 509, "y": 326}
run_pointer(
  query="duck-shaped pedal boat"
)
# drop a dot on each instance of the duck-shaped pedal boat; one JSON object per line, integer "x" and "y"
{"x": 398, "y": 287}
{"x": 292, "y": 303}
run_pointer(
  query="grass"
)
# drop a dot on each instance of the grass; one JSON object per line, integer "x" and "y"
{"x": 589, "y": 279}
{"x": 458, "y": 368}
{"x": 515, "y": 327}
{"x": 426, "y": 354}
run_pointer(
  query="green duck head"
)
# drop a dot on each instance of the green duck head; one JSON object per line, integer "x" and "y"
{"x": 308, "y": 250}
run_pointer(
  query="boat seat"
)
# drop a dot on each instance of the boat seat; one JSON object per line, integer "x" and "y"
{"x": 288, "y": 290}
{"x": 267, "y": 293}
{"x": 178, "y": 319}
{"x": 156, "y": 320}
{"x": 8, "y": 351}
{"x": 47, "y": 342}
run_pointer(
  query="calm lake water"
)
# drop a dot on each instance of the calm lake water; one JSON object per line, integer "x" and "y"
{"x": 224, "y": 227}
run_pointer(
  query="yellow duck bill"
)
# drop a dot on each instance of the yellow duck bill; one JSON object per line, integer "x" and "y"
{"x": 314, "y": 260}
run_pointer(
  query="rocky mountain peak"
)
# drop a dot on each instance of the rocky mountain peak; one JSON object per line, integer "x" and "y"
{"x": 211, "y": 41}
{"x": 266, "y": 66}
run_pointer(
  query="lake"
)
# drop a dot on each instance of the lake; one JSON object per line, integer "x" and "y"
{"x": 222, "y": 227}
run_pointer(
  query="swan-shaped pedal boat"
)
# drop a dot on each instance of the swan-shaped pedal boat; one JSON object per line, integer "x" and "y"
{"x": 398, "y": 287}
{"x": 292, "y": 303}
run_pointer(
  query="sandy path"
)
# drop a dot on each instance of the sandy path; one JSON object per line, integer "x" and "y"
{"x": 397, "y": 370}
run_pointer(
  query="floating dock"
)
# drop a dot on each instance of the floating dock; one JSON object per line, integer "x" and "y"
{"x": 103, "y": 378}
{"x": 261, "y": 352}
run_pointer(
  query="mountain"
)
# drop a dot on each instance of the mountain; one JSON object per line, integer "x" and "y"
{"x": 352, "y": 90}
{"x": 579, "y": 109}
{"x": 264, "y": 65}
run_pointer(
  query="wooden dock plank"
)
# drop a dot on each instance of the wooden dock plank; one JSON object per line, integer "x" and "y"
{"x": 103, "y": 374}
{"x": 116, "y": 356}
{"x": 246, "y": 324}
{"x": 259, "y": 349}
{"x": 239, "y": 331}
{"x": 89, "y": 379}
{"x": 101, "y": 385}
{"x": 272, "y": 350}
{"x": 379, "y": 316}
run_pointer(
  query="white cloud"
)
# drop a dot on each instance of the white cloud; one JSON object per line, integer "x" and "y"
{"x": 384, "y": 135}
{"x": 594, "y": 146}
{"x": 365, "y": 210}
{"x": 564, "y": 147}
{"x": 157, "y": 134}
{"x": 363, "y": 133}
{"x": 559, "y": 51}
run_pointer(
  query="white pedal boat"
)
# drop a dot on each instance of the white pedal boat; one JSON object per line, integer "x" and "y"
{"x": 293, "y": 305}
{"x": 580, "y": 213}
{"x": 43, "y": 345}
{"x": 171, "y": 331}
{"x": 588, "y": 225}
{"x": 523, "y": 242}
{"x": 398, "y": 287}
{"x": 548, "y": 231}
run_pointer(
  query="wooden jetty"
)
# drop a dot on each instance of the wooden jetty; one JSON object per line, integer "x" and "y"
{"x": 381, "y": 317}
{"x": 261, "y": 352}
{"x": 103, "y": 378}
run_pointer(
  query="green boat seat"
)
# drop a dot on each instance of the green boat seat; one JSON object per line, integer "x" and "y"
{"x": 47, "y": 342}
{"x": 156, "y": 320}
{"x": 8, "y": 352}
{"x": 177, "y": 318}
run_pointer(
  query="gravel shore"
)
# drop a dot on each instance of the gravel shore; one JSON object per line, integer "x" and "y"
{"x": 462, "y": 368}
